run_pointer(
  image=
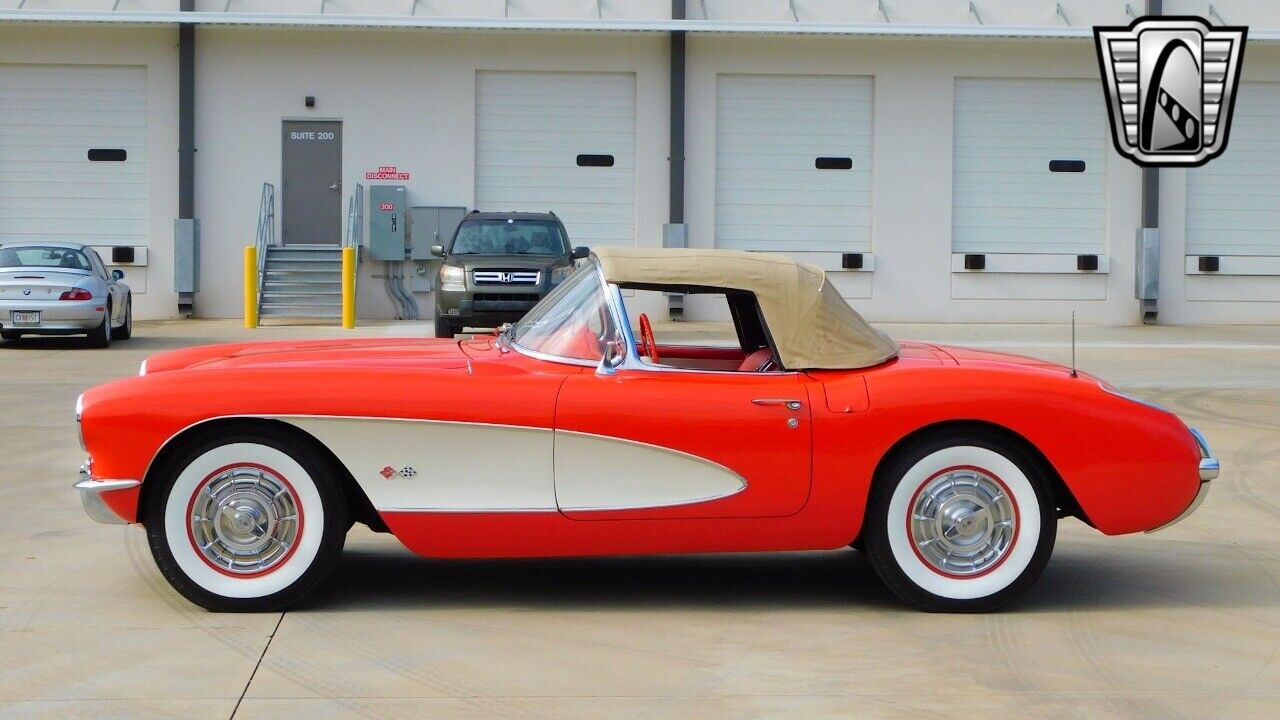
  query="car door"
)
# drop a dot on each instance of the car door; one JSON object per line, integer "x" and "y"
{"x": 99, "y": 270}
{"x": 667, "y": 443}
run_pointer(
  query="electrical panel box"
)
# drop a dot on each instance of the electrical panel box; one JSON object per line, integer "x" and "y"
{"x": 388, "y": 221}
{"x": 432, "y": 225}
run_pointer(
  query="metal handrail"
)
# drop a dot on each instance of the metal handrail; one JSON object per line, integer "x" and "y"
{"x": 266, "y": 235}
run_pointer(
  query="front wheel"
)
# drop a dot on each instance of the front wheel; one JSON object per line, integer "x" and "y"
{"x": 246, "y": 522}
{"x": 960, "y": 523}
{"x": 125, "y": 331}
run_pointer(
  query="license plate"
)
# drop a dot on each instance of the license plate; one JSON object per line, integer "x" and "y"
{"x": 25, "y": 318}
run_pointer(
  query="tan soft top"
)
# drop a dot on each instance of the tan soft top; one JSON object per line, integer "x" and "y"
{"x": 812, "y": 326}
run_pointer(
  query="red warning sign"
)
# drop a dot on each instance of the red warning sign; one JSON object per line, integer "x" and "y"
{"x": 386, "y": 172}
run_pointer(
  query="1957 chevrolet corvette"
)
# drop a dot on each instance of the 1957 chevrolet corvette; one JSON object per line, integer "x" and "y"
{"x": 567, "y": 435}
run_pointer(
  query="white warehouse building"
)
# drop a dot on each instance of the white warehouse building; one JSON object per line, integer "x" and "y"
{"x": 885, "y": 140}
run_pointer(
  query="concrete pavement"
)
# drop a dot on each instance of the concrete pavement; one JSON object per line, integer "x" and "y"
{"x": 1180, "y": 624}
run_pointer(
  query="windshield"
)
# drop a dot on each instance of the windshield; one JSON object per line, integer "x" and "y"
{"x": 43, "y": 257}
{"x": 510, "y": 237}
{"x": 574, "y": 321}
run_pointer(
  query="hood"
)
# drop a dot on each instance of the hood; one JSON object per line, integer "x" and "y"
{"x": 418, "y": 353}
{"x": 507, "y": 262}
{"x": 975, "y": 356}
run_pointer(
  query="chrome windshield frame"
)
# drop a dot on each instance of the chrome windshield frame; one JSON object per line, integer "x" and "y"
{"x": 578, "y": 362}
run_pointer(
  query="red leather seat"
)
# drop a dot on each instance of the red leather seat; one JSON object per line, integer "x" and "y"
{"x": 757, "y": 361}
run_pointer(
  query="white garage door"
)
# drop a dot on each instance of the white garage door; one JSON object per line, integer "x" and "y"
{"x": 1233, "y": 203}
{"x": 563, "y": 142}
{"x": 73, "y": 154}
{"x": 793, "y": 163}
{"x": 1020, "y": 146}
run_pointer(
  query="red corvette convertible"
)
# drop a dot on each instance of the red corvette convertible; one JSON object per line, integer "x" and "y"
{"x": 569, "y": 435}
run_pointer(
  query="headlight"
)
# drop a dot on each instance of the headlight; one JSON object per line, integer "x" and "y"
{"x": 1112, "y": 389}
{"x": 559, "y": 274}
{"x": 452, "y": 278}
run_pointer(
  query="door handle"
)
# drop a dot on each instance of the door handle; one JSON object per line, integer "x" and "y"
{"x": 788, "y": 404}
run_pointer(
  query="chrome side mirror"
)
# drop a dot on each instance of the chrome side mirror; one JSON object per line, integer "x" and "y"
{"x": 611, "y": 359}
{"x": 437, "y": 250}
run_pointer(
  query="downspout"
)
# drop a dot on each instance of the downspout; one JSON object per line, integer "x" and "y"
{"x": 1147, "y": 269}
{"x": 675, "y": 233}
{"x": 186, "y": 228}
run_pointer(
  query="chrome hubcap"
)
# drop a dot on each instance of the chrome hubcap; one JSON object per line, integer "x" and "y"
{"x": 244, "y": 520}
{"x": 963, "y": 522}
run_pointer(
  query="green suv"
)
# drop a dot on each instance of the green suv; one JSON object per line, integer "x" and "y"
{"x": 499, "y": 265}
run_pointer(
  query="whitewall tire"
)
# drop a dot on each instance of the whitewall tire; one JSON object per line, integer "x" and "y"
{"x": 246, "y": 520}
{"x": 960, "y": 522}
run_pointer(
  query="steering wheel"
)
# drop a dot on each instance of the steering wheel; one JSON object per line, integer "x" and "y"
{"x": 646, "y": 335}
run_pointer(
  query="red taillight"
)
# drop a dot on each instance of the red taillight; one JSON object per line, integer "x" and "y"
{"x": 76, "y": 295}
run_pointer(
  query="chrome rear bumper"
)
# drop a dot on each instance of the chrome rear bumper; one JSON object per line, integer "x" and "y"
{"x": 91, "y": 496}
{"x": 1209, "y": 470}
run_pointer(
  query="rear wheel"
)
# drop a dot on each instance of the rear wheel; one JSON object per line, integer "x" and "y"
{"x": 246, "y": 521}
{"x": 125, "y": 331}
{"x": 100, "y": 337}
{"x": 961, "y": 522}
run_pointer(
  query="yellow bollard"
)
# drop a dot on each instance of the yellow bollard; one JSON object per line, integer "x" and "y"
{"x": 348, "y": 287}
{"x": 250, "y": 286}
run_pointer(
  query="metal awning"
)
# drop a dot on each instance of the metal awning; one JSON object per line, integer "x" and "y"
{"x": 318, "y": 20}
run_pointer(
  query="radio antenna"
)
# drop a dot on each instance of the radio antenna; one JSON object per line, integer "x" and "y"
{"x": 1073, "y": 343}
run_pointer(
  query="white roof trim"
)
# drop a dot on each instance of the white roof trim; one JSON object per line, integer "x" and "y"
{"x": 1065, "y": 32}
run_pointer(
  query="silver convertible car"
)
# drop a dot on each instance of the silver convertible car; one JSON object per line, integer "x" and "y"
{"x": 61, "y": 288}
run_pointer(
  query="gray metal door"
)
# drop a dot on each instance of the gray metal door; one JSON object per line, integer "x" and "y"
{"x": 312, "y": 189}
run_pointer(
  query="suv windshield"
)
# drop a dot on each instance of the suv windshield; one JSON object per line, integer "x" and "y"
{"x": 509, "y": 237}
{"x": 574, "y": 321}
{"x": 43, "y": 257}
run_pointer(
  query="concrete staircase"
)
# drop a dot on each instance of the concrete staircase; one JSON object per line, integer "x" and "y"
{"x": 302, "y": 281}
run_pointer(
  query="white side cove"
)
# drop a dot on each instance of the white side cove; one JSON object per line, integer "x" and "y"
{"x": 433, "y": 466}
{"x": 441, "y": 466}
{"x": 602, "y": 473}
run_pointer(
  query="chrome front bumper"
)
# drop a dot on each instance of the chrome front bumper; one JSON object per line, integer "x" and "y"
{"x": 91, "y": 496}
{"x": 1209, "y": 469}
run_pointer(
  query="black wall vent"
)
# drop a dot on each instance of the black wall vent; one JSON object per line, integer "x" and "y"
{"x": 851, "y": 261}
{"x": 108, "y": 155}
{"x": 975, "y": 262}
{"x": 121, "y": 254}
{"x": 1087, "y": 262}
{"x": 1208, "y": 263}
{"x": 833, "y": 163}
{"x": 1067, "y": 166}
{"x": 595, "y": 161}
